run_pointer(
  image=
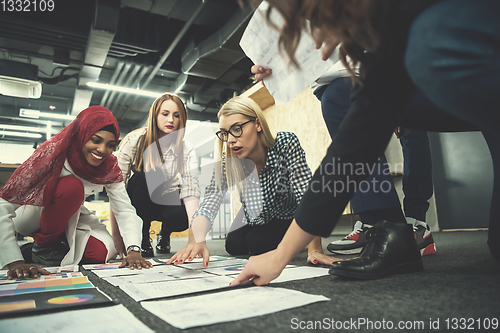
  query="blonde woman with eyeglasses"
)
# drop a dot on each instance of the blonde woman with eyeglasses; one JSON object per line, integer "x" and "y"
{"x": 269, "y": 174}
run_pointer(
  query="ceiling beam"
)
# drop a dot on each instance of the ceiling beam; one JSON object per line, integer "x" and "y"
{"x": 101, "y": 37}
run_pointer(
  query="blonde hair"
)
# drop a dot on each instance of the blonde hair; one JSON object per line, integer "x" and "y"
{"x": 153, "y": 134}
{"x": 233, "y": 167}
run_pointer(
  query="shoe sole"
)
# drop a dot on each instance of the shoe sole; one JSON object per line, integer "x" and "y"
{"x": 428, "y": 250}
{"x": 410, "y": 267}
{"x": 426, "y": 245}
{"x": 350, "y": 251}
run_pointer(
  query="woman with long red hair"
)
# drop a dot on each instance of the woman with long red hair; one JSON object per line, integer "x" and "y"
{"x": 45, "y": 195}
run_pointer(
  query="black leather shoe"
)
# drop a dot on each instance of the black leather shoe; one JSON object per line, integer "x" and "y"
{"x": 147, "y": 248}
{"x": 50, "y": 255}
{"x": 26, "y": 251}
{"x": 494, "y": 250}
{"x": 391, "y": 248}
{"x": 163, "y": 245}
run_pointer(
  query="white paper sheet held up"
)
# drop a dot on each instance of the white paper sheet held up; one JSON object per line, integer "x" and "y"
{"x": 143, "y": 291}
{"x": 104, "y": 320}
{"x": 220, "y": 307}
{"x": 260, "y": 44}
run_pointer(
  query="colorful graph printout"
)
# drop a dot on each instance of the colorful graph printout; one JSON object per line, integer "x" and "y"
{"x": 44, "y": 286}
{"x": 53, "y": 276}
{"x": 17, "y": 305}
{"x": 51, "y": 301}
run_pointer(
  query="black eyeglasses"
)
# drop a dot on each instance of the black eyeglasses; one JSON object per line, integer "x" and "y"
{"x": 235, "y": 130}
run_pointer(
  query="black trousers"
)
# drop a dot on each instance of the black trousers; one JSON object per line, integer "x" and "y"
{"x": 244, "y": 239}
{"x": 173, "y": 217}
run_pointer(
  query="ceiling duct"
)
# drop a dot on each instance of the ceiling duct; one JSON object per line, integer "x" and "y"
{"x": 215, "y": 55}
{"x": 100, "y": 39}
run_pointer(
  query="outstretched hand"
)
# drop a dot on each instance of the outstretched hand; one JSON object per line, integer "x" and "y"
{"x": 135, "y": 260}
{"x": 21, "y": 270}
{"x": 190, "y": 251}
{"x": 261, "y": 269}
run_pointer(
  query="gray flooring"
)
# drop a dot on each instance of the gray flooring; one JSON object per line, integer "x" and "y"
{"x": 460, "y": 281}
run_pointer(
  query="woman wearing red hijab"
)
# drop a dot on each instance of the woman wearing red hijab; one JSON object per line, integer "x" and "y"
{"x": 44, "y": 198}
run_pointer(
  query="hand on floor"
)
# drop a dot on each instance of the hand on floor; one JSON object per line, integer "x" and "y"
{"x": 135, "y": 260}
{"x": 21, "y": 270}
{"x": 261, "y": 269}
{"x": 190, "y": 251}
{"x": 319, "y": 258}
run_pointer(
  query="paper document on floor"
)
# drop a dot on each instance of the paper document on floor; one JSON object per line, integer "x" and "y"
{"x": 300, "y": 273}
{"x": 223, "y": 263}
{"x": 221, "y": 307}
{"x": 211, "y": 259}
{"x": 230, "y": 270}
{"x": 108, "y": 319}
{"x": 157, "y": 274}
{"x": 143, "y": 291}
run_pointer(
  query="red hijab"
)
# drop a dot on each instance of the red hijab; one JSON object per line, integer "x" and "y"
{"x": 34, "y": 182}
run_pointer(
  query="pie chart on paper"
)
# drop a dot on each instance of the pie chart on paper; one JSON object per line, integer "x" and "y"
{"x": 70, "y": 299}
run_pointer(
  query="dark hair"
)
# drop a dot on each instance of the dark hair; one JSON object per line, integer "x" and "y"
{"x": 109, "y": 128}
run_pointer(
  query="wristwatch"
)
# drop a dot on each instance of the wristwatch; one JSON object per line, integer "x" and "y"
{"x": 133, "y": 248}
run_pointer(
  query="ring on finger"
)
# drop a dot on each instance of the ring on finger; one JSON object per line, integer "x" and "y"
{"x": 33, "y": 267}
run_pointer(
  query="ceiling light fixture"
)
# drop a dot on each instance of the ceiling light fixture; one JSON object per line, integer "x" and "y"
{"x": 27, "y": 128}
{"x": 21, "y": 135}
{"x": 133, "y": 91}
{"x": 36, "y": 114}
